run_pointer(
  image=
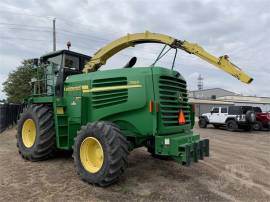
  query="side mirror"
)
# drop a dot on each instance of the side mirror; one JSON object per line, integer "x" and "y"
{"x": 211, "y": 112}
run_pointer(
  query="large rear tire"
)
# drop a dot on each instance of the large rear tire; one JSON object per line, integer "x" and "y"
{"x": 36, "y": 133}
{"x": 100, "y": 153}
{"x": 231, "y": 125}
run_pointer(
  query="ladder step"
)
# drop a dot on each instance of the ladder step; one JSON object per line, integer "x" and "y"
{"x": 63, "y": 125}
{"x": 62, "y": 115}
{"x": 63, "y": 135}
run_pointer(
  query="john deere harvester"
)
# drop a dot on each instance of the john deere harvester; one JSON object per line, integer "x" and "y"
{"x": 103, "y": 115}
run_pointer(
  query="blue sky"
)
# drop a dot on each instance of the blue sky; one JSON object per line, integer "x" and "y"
{"x": 240, "y": 29}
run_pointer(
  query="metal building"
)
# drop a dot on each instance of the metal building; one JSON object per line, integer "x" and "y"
{"x": 205, "y": 100}
{"x": 208, "y": 94}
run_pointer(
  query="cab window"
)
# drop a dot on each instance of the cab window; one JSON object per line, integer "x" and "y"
{"x": 55, "y": 60}
{"x": 71, "y": 61}
{"x": 224, "y": 110}
{"x": 257, "y": 109}
{"x": 215, "y": 110}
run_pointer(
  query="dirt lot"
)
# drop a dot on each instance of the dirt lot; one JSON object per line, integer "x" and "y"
{"x": 238, "y": 170}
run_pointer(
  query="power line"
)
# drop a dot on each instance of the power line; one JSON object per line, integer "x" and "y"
{"x": 62, "y": 31}
{"x": 85, "y": 26}
{"x": 27, "y": 39}
{"x": 26, "y": 14}
{"x": 23, "y": 25}
{"x": 26, "y": 29}
{"x": 85, "y": 35}
{"x": 91, "y": 38}
{"x": 66, "y": 32}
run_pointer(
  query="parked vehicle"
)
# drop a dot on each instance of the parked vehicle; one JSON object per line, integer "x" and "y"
{"x": 262, "y": 119}
{"x": 232, "y": 117}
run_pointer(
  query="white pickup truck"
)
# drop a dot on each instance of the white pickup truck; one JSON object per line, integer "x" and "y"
{"x": 233, "y": 117}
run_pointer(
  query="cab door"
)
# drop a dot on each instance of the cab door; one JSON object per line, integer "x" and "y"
{"x": 223, "y": 114}
{"x": 215, "y": 115}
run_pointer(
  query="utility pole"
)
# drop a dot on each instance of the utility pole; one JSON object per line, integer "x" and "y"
{"x": 54, "y": 35}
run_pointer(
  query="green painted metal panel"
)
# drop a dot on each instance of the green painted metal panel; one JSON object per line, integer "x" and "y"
{"x": 144, "y": 102}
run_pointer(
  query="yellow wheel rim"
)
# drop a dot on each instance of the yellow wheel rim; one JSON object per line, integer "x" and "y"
{"x": 29, "y": 133}
{"x": 91, "y": 154}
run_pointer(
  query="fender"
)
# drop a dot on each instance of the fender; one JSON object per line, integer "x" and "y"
{"x": 230, "y": 118}
{"x": 204, "y": 117}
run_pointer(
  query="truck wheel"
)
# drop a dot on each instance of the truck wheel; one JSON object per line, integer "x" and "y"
{"x": 257, "y": 126}
{"x": 231, "y": 125}
{"x": 36, "y": 133}
{"x": 100, "y": 153}
{"x": 202, "y": 123}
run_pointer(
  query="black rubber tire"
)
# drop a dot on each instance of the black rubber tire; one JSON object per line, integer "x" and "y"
{"x": 45, "y": 144}
{"x": 202, "y": 123}
{"x": 231, "y": 125}
{"x": 115, "y": 148}
{"x": 250, "y": 116}
{"x": 257, "y": 126}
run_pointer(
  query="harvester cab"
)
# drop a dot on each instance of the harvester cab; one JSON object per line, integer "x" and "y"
{"x": 102, "y": 115}
{"x": 54, "y": 68}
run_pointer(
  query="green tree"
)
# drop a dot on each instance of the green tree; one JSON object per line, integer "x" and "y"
{"x": 17, "y": 86}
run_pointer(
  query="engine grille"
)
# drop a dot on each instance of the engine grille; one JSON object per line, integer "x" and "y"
{"x": 173, "y": 98}
{"x": 109, "y": 98}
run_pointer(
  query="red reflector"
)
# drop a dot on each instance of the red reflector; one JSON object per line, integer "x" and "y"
{"x": 181, "y": 118}
{"x": 151, "y": 106}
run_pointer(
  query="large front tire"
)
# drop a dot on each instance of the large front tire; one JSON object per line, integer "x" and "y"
{"x": 100, "y": 153}
{"x": 36, "y": 133}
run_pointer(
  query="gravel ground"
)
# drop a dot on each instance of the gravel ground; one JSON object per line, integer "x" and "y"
{"x": 237, "y": 170}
